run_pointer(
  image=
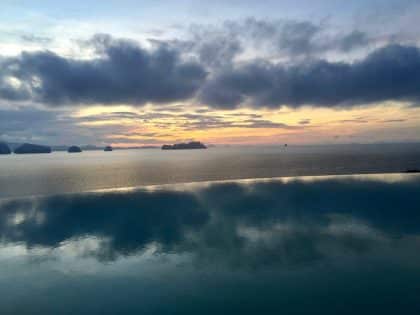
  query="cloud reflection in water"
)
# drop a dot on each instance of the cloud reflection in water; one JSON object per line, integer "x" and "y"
{"x": 245, "y": 233}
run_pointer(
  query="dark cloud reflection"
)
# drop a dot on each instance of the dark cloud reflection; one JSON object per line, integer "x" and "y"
{"x": 251, "y": 224}
{"x": 338, "y": 245}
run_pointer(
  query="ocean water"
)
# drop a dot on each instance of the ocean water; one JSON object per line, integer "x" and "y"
{"x": 297, "y": 245}
{"x": 60, "y": 172}
{"x": 213, "y": 231}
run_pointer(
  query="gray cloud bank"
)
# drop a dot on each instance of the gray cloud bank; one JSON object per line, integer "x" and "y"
{"x": 124, "y": 72}
{"x": 290, "y": 39}
{"x": 389, "y": 73}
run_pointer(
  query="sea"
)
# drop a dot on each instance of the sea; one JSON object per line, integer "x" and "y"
{"x": 61, "y": 172}
{"x": 228, "y": 230}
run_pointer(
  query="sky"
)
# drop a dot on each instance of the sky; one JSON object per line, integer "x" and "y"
{"x": 140, "y": 73}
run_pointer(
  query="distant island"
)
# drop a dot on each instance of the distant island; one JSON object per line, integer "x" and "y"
{"x": 184, "y": 146}
{"x": 108, "y": 148}
{"x": 4, "y": 148}
{"x": 28, "y": 148}
{"x": 413, "y": 170}
{"x": 74, "y": 149}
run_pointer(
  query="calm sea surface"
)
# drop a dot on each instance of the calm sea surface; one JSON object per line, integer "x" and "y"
{"x": 60, "y": 172}
{"x": 320, "y": 245}
{"x": 75, "y": 239}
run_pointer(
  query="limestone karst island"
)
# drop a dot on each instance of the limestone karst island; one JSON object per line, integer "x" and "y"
{"x": 184, "y": 146}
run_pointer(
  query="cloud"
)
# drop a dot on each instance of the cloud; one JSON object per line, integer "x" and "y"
{"x": 132, "y": 116}
{"x": 359, "y": 120}
{"x": 304, "y": 121}
{"x": 219, "y": 46}
{"x": 394, "y": 120}
{"x": 294, "y": 38}
{"x": 31, "y": 38}
{"x": 389, "y": 73}
{"x": 124, "y": 73}
{"x": 297, "y": 37}
{"x": 188, "y": 121}
{"x": 214, "y": 47}
{"x": 353, "y": 40}
{"x": 56, "y": 127}
{"x": 28, "y": 123}
{"x": 198, "y": 121}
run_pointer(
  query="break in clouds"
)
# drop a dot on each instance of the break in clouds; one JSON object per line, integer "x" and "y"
{"x": 211, "y": 67}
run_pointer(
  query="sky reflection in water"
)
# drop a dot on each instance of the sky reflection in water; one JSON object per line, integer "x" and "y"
{"x": 346, "y": 244}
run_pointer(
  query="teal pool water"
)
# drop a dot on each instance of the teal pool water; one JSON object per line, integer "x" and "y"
{"x": 299, "y": 245}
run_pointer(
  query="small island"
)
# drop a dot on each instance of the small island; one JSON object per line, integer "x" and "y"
{"x": 413, "y": 170}
{"x": 184, "y": 146}
{"x": 74, "y": 149}
{"x": 28, "y": 148}
{"x": 108, "y": 148}
{"x": 4, "y": 148}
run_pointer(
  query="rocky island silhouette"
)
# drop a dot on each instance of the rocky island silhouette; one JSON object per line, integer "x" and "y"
{"x": 74, "y": 149}
{"x": 4, "y": 148}
{"x": 184, "y": 146}
{"x": 28, "y": 148}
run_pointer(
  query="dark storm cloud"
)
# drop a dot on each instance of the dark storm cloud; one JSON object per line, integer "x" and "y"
{"x": 389, "y": 73}
{"x": 124, "y": 73}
